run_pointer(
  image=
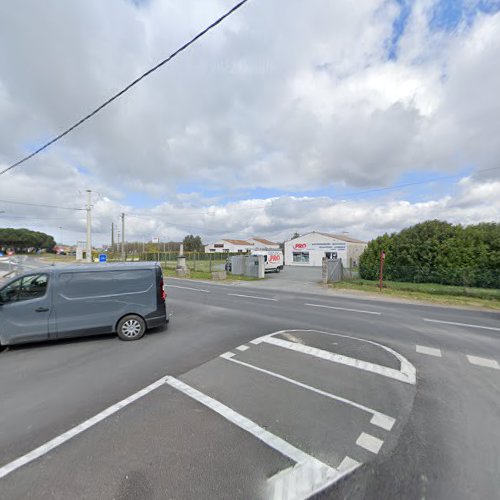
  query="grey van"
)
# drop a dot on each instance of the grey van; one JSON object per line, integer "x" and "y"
{"x": 62, "y": 301}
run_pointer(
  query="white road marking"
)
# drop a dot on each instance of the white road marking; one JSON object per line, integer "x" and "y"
{"x": 378, "y": 419}
{"x": 488, "y": 363}
{"x": 348, "y": 464}
{"x": 407, "y": 369}
{"x": 344, "y": 309}
{"x": 242, "y": 348}
{"x": 306, "y": 478}
{"x": 187, "y": 288}
{"x": 462, "y": 324}
{"x": 384, "y": 421}
{"x": 369, "y": 442}
{"x": 252, "y": 297}
{"x": 71, "y": 433}
{"x": 341, "y": 359}
{"x": 431, "y": 351}
{"x": 293, "y": 338}
{"x": 227, "y": 355}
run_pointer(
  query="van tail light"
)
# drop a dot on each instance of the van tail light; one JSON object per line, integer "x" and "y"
{"x": 163, "y": 292}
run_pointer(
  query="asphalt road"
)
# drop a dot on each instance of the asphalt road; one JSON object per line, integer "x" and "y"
{"x": 260, "y": 393}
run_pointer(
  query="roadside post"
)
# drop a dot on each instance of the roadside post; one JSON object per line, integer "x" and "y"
{"x": 382, "y": 260}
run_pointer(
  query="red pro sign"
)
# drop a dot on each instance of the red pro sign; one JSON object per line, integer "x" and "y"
{"x": 300, "y": 246}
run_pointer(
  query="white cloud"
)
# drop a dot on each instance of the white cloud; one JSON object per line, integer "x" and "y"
{"x": 285, "y": 95}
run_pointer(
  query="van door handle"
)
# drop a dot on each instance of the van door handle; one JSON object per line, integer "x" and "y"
{"x": 41, "y": 309}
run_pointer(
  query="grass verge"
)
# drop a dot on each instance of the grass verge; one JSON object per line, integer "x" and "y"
{"x": 428, "y": 292}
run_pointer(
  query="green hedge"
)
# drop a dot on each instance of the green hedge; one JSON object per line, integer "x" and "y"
{"x": 437, "y": 252}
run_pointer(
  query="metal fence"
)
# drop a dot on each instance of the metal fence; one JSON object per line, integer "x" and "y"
{"x": 195, "y": 261}
{"x": 458, "y": 276}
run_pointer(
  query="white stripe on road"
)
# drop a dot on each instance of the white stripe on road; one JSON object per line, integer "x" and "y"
{"x": 187, "y": 288}
{"x": 348, "y": 464}
{"x": 71, "y": 433}
{"x": 369, "y": 442}
{"x": 341, "y": 359}
{"x": 343, "y": 309}
{"x": 430, "y": 351}
{"x": 462, "y": 324}
{"x": 307, "y": 477}
{"x": 251, "y": 297}
{"x": 384, "y": 421}
{"x": 488, "y": 363}
{"x": 242, "y": 348}
{"x": 378, "y": 419}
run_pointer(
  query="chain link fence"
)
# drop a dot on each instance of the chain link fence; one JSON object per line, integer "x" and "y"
{"x": 457, "y": 276}
{"x": 195, "y": 261}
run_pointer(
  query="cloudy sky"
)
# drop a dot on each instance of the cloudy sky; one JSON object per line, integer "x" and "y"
{"x": 290, "y": 116}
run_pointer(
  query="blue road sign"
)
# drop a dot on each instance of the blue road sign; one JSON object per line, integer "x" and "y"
{"x": 103, "y": 257}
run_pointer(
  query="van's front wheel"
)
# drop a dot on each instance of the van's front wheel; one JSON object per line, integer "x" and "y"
{"x": 131, "y": 327}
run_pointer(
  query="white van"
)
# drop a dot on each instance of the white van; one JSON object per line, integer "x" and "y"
{"x": 273, "y": 260}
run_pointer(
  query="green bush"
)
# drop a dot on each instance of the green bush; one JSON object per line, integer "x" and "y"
{"x": 437, "y": 252}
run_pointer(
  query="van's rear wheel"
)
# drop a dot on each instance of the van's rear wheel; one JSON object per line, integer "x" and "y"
{"x": 131, "y": 327}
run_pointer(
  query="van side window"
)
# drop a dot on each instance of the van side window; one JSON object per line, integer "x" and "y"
{"x": 10, "y": 292}
{"x": 33, "y": 287}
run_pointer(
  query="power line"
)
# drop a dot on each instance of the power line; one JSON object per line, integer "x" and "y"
{"x": 127, "y": 88}
{"x": 40, "y": 205}
{"x": 7, "y": 216}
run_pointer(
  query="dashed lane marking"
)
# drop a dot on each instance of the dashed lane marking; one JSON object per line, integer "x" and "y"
{"x": 384, "y": 421}
{"x": 343, "y": 309}
{"x": 430, "y": 351}
{"x": 187, "y": 288}
{"x": 379, "y": 419}
{"x": 307, "y": 477}
{"x": 252, "y": 297}
{"x": 462, "y": 324}
{"x": 242, "y": 348}
{"x": 369, "y": 442}
{"x": 485, "y": 362}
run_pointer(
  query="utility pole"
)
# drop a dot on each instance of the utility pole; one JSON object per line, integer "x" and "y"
{"x": 123, "y": 236}
{"x": 88, "y": 252}
{"x": 112, "y": 236}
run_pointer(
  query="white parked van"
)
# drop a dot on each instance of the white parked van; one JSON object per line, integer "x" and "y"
{"x": 273, "y": 260}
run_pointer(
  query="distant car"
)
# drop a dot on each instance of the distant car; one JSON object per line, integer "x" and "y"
{"x": 61, "y": 302}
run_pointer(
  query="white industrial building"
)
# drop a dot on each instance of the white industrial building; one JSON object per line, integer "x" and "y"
{"x": 229, "y": 246}
{"x": 309, "y": 249}
{"x": 263, "y": 244}
{"x": 241, "y": 246}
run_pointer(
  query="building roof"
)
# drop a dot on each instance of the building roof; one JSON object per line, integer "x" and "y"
{"x": 239, "y": 242}
{"x": 264, "y": 241}
{"x": 341, "y": 237}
